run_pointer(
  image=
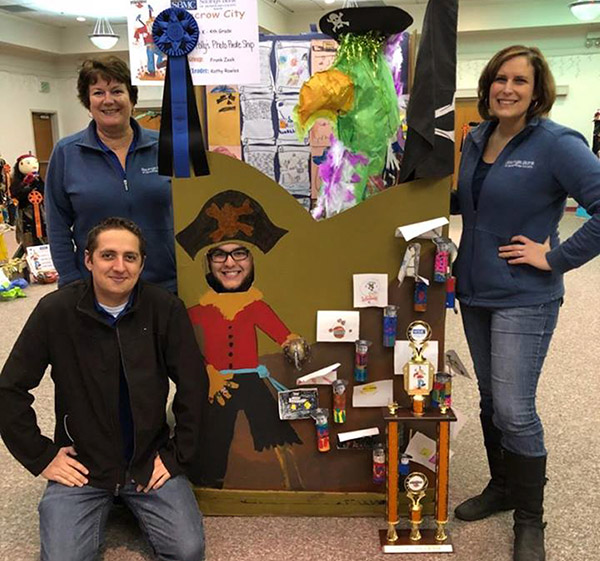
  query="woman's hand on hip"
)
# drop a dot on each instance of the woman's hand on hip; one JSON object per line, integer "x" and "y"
{"x": 523, "y": 251}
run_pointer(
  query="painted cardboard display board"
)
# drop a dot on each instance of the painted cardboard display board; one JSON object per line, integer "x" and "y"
{"x": 309, "y": 269}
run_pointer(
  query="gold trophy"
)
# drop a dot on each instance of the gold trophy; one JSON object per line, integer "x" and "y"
{"x": 418, "y": 371}
{"x": 418, "y": 382}
{"x": 416, "y": 484}
{"x": 416, "y": 539}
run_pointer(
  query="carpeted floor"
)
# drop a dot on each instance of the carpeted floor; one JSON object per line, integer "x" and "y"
{"x": 569, "y": 403}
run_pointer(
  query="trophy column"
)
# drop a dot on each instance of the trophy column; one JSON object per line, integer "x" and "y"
{"x": 392, "y": 476}
{"x": 441, "y": 487}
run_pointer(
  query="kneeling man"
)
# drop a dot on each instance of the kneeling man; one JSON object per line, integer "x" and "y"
{"x": 112, "y": 343}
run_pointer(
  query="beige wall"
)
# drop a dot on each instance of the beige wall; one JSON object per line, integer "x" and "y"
{"x": 20, "y": 77}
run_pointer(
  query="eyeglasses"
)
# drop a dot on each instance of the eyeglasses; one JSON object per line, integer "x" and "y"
{"x": 238, "y": 254}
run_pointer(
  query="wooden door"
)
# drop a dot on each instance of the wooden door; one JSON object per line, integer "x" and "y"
{"x": 465, "y": 115}
{"x": 43, "y": 135}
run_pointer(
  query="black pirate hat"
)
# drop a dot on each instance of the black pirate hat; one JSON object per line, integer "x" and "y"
{"x": 388, "y": 20}
{"x": 230, "y": 215}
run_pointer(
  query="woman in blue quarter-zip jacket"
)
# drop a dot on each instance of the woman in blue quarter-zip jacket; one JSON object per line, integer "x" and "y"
{"x": 516, "y": 172}
{"x": 109, "y": 169}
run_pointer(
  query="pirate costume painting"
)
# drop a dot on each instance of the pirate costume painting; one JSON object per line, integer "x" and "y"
{"x": 228, "y": 318}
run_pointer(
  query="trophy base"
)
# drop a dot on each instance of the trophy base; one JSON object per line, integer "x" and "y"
{"x": 427, "y": 543}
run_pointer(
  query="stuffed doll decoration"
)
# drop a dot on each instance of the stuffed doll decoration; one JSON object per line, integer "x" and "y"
{"x": 27, "y": 188}
{"x": 9, "y": 209}
{"x": 3, "y": 189}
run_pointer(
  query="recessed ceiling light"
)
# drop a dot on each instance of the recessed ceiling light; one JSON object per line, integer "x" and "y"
{"x": 329, "y": 1}
{"x": 80, "y": 18}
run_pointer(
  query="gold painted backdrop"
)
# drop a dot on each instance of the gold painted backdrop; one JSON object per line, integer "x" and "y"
{"x": 311, "y": 269}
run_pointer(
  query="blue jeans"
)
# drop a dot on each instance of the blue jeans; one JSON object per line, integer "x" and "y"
{"x": 508, "y": 347}
{"x": 151, "y": 51}
{"x": 72, "y": 520}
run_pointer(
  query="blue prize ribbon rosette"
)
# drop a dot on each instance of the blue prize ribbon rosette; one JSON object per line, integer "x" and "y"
{"x": 176, "y": 33}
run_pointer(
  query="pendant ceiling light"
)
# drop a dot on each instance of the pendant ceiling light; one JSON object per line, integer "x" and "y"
{"x": 585, "y": 10}
{"x": 103, "y": 36}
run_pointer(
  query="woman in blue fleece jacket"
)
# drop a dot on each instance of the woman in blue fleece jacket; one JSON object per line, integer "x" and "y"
{"x": 109, "y": 169}
{"x": 516, "y": 172}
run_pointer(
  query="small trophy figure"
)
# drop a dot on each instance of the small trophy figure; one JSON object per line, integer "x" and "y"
{"x": 418, "y": 371}
{"x": 441, "y": 396}
{"x": 443, "y": 258}
{"x": 378, "y": 464}
{"x": 339, "y": 400}
{"x": 420, "y": 297}
{"x": 416, "y": 484}
{"x": 360, "y": 360}
{"x": 404, "y": 465}
{"x": 390, "y": 325}
{"x": 320, "y": 416}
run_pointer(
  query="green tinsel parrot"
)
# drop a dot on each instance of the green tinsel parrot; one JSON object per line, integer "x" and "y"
{"x": 359, "y": 96}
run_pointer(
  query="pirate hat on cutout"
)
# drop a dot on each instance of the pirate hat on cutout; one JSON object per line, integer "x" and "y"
{"x": 230, "y": 215}
{"x": 389, "y": 20}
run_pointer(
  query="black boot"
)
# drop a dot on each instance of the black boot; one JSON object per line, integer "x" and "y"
{"x": 526, "y": 477}
{"x": 494, "y": 498}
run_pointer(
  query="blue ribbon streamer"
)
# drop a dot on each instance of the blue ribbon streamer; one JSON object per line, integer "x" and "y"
{"x": 176, "y": 33}
{"x": 179, "y": 117}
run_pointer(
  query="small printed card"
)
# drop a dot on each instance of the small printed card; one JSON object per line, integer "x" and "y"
{"x": 39, "y": 259}
{"x": 423, "y": 450}
{"x": 370, "y": 290}
{"x": 403, "y": 353}
{"x": 363, "y": 439}
{"x": 323, "y": 377}
{"x": 374, "y": 394}
{"x": 337, "y": 326}
{"x": 297, "y": 404}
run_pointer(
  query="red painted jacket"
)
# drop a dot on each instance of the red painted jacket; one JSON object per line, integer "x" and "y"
{"x": 229, "y": 323}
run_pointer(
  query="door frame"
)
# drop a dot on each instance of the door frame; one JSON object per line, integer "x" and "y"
{"x": 53, "y": 126}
